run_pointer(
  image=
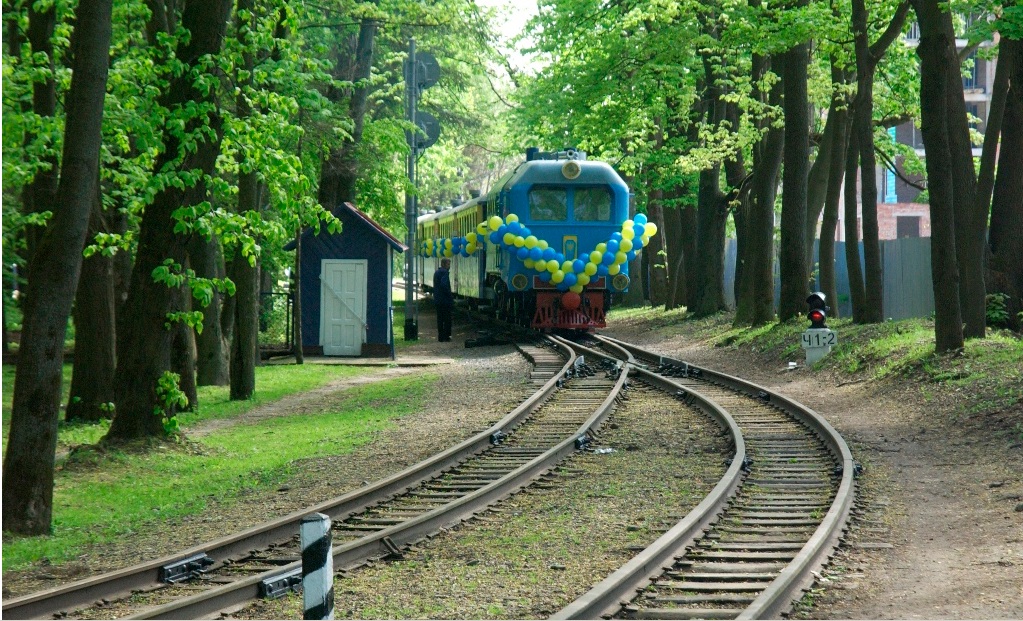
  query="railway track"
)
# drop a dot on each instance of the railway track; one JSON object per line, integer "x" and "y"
{"x": 377, "y": 521}
{"x": 750, "y": 548}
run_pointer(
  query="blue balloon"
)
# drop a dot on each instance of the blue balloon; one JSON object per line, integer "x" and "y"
{"x": 560, "y": 257}
{"x": 612, "y": 246}
{"x": 515, "y": 228}
{"x": 549, "y": 254}
{"x": 602, "y": 270}
{"x": 570, "y": 279}
{"x": 464, "y": 253}
{"x": 640, "y": 218}
{"x": 630, "y": 255}
{"x": 608, "y": 259}
{"x": 561, "y": 286}
{"x": 501, "y": 230}
{"x": 578, "y": 266}
{"x": 495, "y": 237}
{"x": 639, "y": 230}
{"x": 524, "y": 232}
{"x": 535, "y": 253}
{"x": 522, "y": 253}
{"x": 545, "y": 276}
{"x": 616, "y": 236}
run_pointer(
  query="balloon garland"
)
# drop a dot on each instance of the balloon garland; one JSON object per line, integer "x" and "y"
{"x": 605, "y": 259}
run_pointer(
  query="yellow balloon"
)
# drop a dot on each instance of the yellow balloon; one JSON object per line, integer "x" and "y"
{"x": 481, "y": 228}
{"x": 627, "y": 225}
{"x": 471, "y": 248}
{"x": 511, "y": 218}
{"x": 590, "y": 269}
{"x": 628, "y": 233}
{"x": 583, "y": 280}
{"x": 495, "y": 222}
{"x": 470, "y": 237}
{"x": 601, "y": 248}
{"x": 519, "y": 241}
{"x": 614, "y": 269}
{"x": 557, "y": 276}
{"x": 529, "y": 263}
{"x": 541, "y": 265}
{"x": 509, "y": 239}
{"x": 596, "y": 257}
{"x": 576, "y": 288}
{"x": 531, "y": 242}
{"x": 542, "y": 244}
{"x": 620, "y": 257}
{"x": 552, "y": 266}
{"x": 447, "y": 244}
{"x": 566, "y": 266}
{"x": 644, "y": 240}
{"x": 625, "y": 245}
{"x": 650, "y": 229}
{"x": 448, "y": 253}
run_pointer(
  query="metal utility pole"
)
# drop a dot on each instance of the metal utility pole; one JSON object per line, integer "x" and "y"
{"x": 421, "y": 71}
{"x": 411, "y": 208}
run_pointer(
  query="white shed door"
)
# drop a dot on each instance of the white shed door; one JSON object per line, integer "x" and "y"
{"x": 342, "y": 306}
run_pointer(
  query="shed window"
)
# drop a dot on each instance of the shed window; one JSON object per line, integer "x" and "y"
{"x": 592, "y": 205}
{"x": 548, "y": 204}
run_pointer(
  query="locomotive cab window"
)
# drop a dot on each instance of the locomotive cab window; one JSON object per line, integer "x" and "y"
{"x": 592, "y": 205}
{"x": 548, "y": 204}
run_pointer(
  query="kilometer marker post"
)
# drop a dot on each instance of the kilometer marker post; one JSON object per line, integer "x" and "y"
{"x": 317, "y": 567}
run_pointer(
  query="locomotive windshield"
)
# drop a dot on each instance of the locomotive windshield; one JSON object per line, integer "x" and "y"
{"x": 592, "y": 205}
{"x": 551, "y": 204}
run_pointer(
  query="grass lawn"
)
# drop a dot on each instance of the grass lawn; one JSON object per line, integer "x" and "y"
{"x": 102, "y": 494}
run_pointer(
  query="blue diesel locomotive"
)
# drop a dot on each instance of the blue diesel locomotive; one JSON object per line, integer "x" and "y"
{"x": 547, "y": 247}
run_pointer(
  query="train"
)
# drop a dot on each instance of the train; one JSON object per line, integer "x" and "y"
{"x": 547, "y": 247}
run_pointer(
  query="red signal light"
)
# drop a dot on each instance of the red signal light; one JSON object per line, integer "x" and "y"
{"x": 817, "y": 317}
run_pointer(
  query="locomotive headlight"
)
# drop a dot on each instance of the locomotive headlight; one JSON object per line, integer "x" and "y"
{"x": 571, "y": 169}
{"x": 620, "y": 282}
{"x": 519, "y": 282}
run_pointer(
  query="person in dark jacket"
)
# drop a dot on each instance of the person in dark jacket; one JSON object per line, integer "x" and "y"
{"x": 443, "y": 299}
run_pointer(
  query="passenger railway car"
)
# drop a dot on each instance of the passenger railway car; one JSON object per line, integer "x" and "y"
{"x": 548, "y": 247}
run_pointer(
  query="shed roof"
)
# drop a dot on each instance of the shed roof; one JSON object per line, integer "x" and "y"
{"x": 354, "y": 211}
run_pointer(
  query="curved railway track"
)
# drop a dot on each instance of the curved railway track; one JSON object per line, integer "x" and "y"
{"x": 747, "y": 551}
{"x": 373, "y": 522}
{"x": 751, "y": 547}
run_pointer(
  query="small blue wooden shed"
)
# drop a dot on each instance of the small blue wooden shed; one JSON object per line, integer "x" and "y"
{"x": 346, "y": 286}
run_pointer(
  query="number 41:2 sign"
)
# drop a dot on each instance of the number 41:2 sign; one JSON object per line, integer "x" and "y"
{"x": 819, "y": 337}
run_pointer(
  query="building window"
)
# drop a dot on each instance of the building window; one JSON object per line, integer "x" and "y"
{"x": 907, "y": 226}
{"x": 970, "y": 73}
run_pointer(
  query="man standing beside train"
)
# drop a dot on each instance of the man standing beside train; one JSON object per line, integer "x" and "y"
{"x": 443, "y": 299}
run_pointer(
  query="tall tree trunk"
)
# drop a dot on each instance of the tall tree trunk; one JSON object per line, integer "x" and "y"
{"x": 92, "y": 380}
{"x": 937, "y": 51}
{"x": 755, "y": 302}
{"x": 212, "y": 349}
{"x": 829, "y": 225}
{"x": 852, "y": 230}
{"x": 340, "y": 171}
{"x": 183, "y": 350}
{"x": 970, "y": 217}
{"x": 144, "y": 344}
{"x": 655, "y": 250}
{"x": 32, "y": 443}
{"x": 39, "y": 195}
{"x": 817, "y": 182}
{"x": 244, "y": 271}
{"x": 792, "y": 253}
{"x": 1006, "y": 237}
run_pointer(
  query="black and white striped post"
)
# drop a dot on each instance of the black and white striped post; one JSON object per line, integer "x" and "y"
{"x": 317, "y": 567}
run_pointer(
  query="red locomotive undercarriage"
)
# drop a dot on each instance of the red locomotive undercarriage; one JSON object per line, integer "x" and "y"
{"x": 568, "y": 311}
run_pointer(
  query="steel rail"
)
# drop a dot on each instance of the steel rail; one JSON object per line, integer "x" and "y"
{"x": 607, "y": 596}
{"x": 146, "y": 576}
{"x": 387, "y": 541}
{"x": 797, "y": 576}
